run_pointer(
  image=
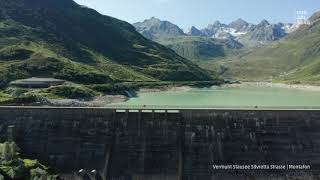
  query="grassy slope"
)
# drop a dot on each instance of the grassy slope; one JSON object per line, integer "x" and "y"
{"x": 295, "y": 59}
{"x": 200, "y": 48}
{"x": 58, "y": 38}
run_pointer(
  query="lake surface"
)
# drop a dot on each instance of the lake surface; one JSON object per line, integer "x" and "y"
{"x": 246, "y": 96}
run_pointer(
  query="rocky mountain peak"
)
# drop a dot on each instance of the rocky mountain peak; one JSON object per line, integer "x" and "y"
{"x": 193, "y": 31}
{"x": 264, "y": 23}
{"x": 238, "y": 23}
{"x": 155, "y": 28}
{"x": 153, "y": 19}
{"x": 217, "y": 23}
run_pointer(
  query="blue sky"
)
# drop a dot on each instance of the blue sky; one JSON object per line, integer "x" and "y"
{"x": 200, "y": 13}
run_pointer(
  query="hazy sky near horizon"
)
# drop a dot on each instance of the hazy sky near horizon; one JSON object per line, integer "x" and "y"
{"x": 200, "y": 13}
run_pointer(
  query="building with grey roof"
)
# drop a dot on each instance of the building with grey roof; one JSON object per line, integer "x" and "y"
{"x": 37, "y": 82}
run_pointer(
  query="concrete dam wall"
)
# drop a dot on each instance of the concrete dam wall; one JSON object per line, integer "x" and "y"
{"x": 164, "y": 145}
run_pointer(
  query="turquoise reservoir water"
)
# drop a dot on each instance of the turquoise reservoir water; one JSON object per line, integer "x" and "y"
{"x": 240, "y": 96}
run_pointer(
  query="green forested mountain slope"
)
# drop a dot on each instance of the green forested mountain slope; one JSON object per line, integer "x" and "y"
{"x": 59, "y": 38}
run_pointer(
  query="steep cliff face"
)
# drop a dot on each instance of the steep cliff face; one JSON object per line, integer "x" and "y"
{"x": 159, "y": 145}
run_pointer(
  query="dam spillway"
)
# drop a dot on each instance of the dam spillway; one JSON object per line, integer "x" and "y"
{"x": 180, "y": 144}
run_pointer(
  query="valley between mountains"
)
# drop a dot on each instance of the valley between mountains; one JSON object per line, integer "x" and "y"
{"x": 281, "y": 52}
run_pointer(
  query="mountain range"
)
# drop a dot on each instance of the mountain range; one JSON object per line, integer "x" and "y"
{"x": 215, "y": 41}
{"x": 294, "y": 59}
{"x": 281, "y": 52}
{"x": 61, "y": 39}
{"x": 240, "y": 30}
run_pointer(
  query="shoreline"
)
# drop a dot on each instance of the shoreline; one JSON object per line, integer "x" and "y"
{"x": 164, "y": 89}
{"x": 276, "y": 85}
{"x": 99, "y": 101}
{"x": 244, "y": 84}
{"x": 105, "y": 100}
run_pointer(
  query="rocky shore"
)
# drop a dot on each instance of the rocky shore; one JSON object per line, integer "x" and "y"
{"x": 171, "y": 88}
{"x": 276, "y": 85}
{"x": 98, "y": 101}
